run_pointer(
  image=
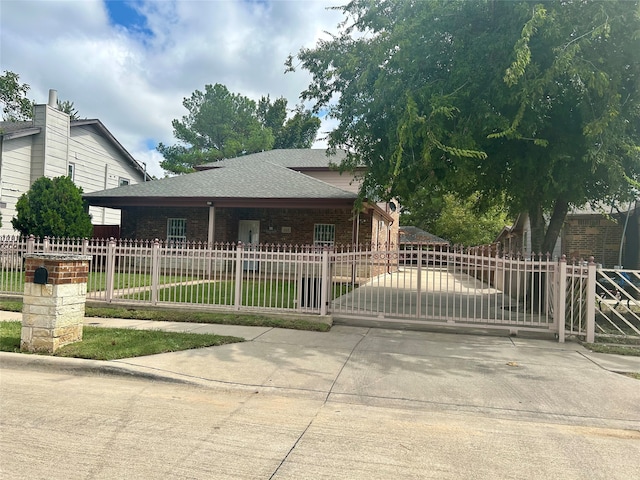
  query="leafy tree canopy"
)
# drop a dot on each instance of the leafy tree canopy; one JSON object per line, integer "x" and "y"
{"x": 54, "y": 208}
{"x": 17, "y": 107}
{"x": 461, "y": 221}
{"x": 13, "y": 96}
{"x": 536, "y": 101}
{"x": 221, "y": 124}
{"x": 68, "y": 107}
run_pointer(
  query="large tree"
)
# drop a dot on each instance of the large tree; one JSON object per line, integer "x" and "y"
{"x": 461, "y": 221}
{"x": 13, "y": 97}
{"x": 538, "y": 101}
{"x": 54, "y": 208}
{"x": 221, "y": 124}
{"x": 15, "y": 104}
{"x": 297, "y": 131}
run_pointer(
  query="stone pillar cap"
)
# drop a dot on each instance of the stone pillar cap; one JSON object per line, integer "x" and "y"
{"x": 57, "y": 256}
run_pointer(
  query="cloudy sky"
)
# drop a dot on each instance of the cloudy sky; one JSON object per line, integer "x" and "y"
{"x": 130, "y": 63}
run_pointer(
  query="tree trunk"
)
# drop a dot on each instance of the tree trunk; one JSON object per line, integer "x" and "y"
{"x": 536, "y": 219}
{"x": 560, "y": 210}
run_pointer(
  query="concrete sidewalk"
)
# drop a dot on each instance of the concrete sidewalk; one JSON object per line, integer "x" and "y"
{"x": 378, "y": 366}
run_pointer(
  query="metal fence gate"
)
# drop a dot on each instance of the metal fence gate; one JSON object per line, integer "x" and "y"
{"x": 426, "y": 284}
{"x": 435, "y": 285}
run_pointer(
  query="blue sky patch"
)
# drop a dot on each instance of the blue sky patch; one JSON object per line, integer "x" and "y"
{"x": 124, "y": 13}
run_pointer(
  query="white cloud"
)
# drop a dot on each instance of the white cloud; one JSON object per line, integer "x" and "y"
{"x": 135, "y": 82}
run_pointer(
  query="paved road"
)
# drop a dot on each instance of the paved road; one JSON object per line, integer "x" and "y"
{"x": 355, "y": 403}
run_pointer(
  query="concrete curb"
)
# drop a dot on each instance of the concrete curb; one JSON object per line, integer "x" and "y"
{"x": 82, "y": 365}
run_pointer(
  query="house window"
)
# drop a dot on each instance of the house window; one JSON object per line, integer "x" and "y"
{"x": 71, "y": 171}
{"x": 324, "y": 234}
{"x": 176, "y": 230}
{"x": 123, "y": 182}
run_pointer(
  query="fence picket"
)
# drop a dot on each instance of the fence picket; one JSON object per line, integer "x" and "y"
{"x": 419, "y": 283}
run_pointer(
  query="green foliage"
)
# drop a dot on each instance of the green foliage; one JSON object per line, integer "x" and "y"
{"x": 13, "y": 97}
{"x": 67, "y": 107}
{"x": 54, "y": 208}
{"x": 17, "y": 107}
{"x": 221, "y": 124}
{"x": 299, "y": 131}
{"x": 461, "y": 221}
{"x": 534, "y": 101}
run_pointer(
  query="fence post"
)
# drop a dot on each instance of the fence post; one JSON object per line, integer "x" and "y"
{"x": 561, "y": 306}
{"x": 591, "y": 301}
{"x": 324, "y": 285}
{"x": 45, "y": 245}
{"x": 419, "y": 282}
{"x": 111, "y": 267}
{"x": 155, "y": 271}
{"x": 238, "y": 283}
{"x": 31, "y": 241}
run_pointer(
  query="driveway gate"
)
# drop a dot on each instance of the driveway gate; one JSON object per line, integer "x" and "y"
{"x": 457, "y": 287}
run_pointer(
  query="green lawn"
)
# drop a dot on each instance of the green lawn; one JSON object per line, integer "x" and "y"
{"x": 114, "y": 343}
{"x": 255, "y": 293}
{"x": 289, "y": 321}
{"x": 97, "y": 281}
{"x": 11, "y": 281}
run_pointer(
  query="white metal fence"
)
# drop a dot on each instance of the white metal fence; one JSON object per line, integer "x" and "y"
{"x": 478, "y": 287}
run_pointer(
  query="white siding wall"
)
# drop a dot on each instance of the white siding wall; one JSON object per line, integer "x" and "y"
{"x": 98, "y": 166}
{"x": 345, "y": 181}
{"x": 51, "y": 146}
{"x": 98, "y": 163}
{"x": 15, "y": 177}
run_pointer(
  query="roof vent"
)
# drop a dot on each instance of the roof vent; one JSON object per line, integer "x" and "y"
{"x": 53, "y": 98}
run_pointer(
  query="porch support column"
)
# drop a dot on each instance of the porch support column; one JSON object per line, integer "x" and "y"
{"x": 212, "y": 224}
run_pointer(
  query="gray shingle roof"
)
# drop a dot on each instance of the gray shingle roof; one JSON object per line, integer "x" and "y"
{"x": 290, "y": 158}
{"x": 252, "y": 176}
{"x": 409, "y": 234}
{"x": 17, "y": 129}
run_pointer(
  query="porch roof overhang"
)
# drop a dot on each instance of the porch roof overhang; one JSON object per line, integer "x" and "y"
{"x": 370, "y": 207}
{"x": 222, "y": 202}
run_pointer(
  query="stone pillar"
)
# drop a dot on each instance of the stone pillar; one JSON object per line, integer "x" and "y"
{"x": 55, "y": 291}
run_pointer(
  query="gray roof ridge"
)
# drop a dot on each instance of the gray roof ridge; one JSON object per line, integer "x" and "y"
{"x": 263, "y": 179}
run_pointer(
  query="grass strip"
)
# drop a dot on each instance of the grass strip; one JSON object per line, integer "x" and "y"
{"x": 115, "y": 343}
{"x": 185, "y": 315}
{"x": 615, "y": 349}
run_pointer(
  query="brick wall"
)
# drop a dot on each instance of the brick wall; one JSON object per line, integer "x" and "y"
{"x": 592, "y": 235}
{"x": 145, "y": 223}
{"x": 289, "y": 226}
{"x": 59, "y": 272}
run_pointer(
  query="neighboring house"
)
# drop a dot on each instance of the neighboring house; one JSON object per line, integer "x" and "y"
{"x": 409, "y": 235}
{"x": 293, "y": 197}
{"x": 587, "y": 232}
{"x": 52, "y": 145}
{"x": 599, "y": 233}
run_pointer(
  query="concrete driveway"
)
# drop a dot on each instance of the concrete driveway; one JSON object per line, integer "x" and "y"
{"x": 358, "y": 402}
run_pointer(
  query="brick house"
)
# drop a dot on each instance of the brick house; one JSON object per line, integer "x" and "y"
{"x": 587, "y": 232}
{"x": 52, "y": 145}
{"x": 294, "y": 196}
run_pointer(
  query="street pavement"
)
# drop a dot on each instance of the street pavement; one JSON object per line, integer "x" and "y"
{"x": 538, "y": 386}
{"x": 362, "y": 364}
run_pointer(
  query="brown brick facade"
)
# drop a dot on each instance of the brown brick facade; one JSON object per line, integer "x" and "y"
{"x": 592, "y": 235}
{"x": 280, "y": 226}
{"x": 60, "y": 272}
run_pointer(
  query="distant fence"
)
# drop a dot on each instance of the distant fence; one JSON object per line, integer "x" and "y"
{"x": 420, "y": 283}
